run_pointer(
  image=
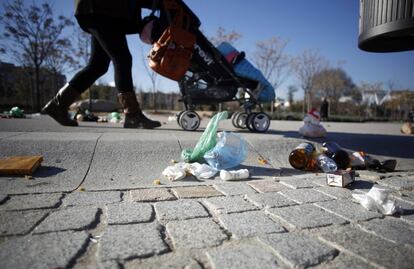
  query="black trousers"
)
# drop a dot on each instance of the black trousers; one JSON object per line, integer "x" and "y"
{"x": 108, "y": 44}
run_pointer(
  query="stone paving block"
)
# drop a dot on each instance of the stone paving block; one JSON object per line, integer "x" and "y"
{"x": 339, "y": 193}
{"x": 303, "y": 196}
{"x": 131, "y": 241}
{"x": 369, "y": 175}
{"x": 73, "y": 218}
{"x": 249, "y": 224}
{"x": 32, "y": 201}
{"x": 408, "y": 211}
{"x": 349, "y": 210}
{"x": 53, "y": 250}
{"x": 361, "y": 185}
{"x": 3, "y": 197}
{"x": 242, "y": 255}
{"x": 179, "y": 210}
{"x": 227, "y": 205}
{"x": 270, "y": 199}
{"x": 398, "y": 183}
{"x": 234, "y": 188}
{"x": 127, "y": 213}
{"x": 320, "y": 181}
{"x": 196, "y": 192}
{"x": 392, "y": 229}
{"x": 151, "y": 195}
{"x": 110, "y": 264}
{"x": 195, "y": 233}
{"x": 406, "y": 196}
{"x": 346, "y": 261}
{"x": 299, "y": 251}
{"x": 19, "y": 222}
{"x": 383, "y": 253}
{"x": 166, "y": 261}
{"x": 296, "y": 183}
{"x": 267, "y": 185}
{"x": 81, "y": 198}
{"x": 306, "y": 216}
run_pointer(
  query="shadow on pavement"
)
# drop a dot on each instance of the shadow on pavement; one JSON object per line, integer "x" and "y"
{"x": 48, "y": 171}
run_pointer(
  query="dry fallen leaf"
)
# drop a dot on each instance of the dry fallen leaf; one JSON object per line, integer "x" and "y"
{"x": 262, "y": 161}
{"x": 28, "y": 177}
{"x": 81, "y": 189}
{"x": 157, "y": 182}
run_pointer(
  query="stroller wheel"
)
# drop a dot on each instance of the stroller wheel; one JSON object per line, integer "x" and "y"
{"x": 249, "y": 121}
{"x": 178, "y": 115}
{"x": 261, "y": 122}
{"x": 241, "y": 120}
{"x": 234, "y": 119}
{"x": 189, "y": 120}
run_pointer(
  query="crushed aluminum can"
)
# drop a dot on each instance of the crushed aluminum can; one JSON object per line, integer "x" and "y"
{"x": 340, "y": 178}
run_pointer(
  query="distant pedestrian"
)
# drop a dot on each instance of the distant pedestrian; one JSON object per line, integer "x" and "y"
{"x": 411, "y": 116}
{"x": 324, "y": 112}
{"x": 108, "y": 22}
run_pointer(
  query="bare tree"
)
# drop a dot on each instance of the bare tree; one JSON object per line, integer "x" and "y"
{"x": 291, "y": 92}
{"x": 271, "y": 59}
{"x": 305, "y": 67}
{"x": 223, "y": 36}
{"x": 82, "y": 48}
{"x": 31, "y": 33}
{"x": 82, "y": 53}
{"x": 332, "y": 83}
{"x": 59, "y": 60}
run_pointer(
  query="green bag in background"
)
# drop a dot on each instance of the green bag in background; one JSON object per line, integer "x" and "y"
{"x": 16, "y": 112}
{"x": 207, "y": 141}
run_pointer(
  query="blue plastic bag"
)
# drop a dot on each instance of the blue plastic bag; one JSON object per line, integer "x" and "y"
{"x": 230, "y": 151}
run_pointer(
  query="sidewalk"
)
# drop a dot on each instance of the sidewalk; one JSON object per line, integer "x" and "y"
{"x": 94, "y": 204}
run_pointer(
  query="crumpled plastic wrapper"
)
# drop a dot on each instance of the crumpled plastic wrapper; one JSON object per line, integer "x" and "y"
{"x": 181, "y": 170}
{"x": 377, "y": 199}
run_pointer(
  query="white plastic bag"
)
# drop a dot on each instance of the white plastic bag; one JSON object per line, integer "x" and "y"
{"x": 377, "y": 199}
{"x": 181, "y": 170}
{"x": 203, "y": 171}
{"x": 312, "y": 130}
{"x": 175, "y": 172}
{"x": 312, "y": 126}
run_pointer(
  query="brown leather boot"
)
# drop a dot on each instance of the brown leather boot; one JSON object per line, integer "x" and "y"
{"x": 134, "y": 118}
{"x": 57, "y": 108}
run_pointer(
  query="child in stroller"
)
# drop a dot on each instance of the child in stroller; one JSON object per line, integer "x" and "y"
{"x": 222, "y": 74}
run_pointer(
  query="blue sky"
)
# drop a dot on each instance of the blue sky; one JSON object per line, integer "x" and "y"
{"x": 330, "y": 26}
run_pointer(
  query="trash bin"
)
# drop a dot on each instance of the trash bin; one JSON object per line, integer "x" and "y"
{"x": 386, "y": 25}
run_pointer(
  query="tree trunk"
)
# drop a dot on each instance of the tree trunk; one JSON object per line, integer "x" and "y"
{"x": 37, "y": 87}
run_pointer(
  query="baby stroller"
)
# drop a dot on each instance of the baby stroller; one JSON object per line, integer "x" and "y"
{"x": 211, "y": 79}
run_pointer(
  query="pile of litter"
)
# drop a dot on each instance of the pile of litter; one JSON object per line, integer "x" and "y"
{"x": 340, "y": 165}
{"x": 213, "y": 153}
{"x": 15, "y": 112}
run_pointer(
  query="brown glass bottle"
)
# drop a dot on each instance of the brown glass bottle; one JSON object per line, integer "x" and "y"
{"x": 302, "y": 157}
{"x": 339, "y": 155}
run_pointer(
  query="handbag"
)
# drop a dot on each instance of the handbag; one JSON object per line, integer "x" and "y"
{"x": 170, "y": 56}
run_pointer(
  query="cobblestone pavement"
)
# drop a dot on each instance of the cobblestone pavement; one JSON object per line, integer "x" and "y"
{"x": 279, "y": 218}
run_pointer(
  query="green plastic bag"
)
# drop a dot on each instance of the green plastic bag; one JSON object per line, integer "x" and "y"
{"x": 16, "y": 112}
{"x": 115, "y": 115}
{"x": 207, "y": 141}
